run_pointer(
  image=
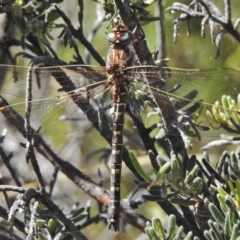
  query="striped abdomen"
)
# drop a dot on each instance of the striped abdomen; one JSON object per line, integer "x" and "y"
{"x": 116, "y": 165}
{"x": 119, "y": 93}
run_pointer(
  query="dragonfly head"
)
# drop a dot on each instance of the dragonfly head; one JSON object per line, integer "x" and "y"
{"x": 120, "y": 35}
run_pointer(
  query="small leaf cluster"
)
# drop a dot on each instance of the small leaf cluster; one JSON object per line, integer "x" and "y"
{"x": 155, "y": 230}
{"x": 213, "y": 192}
{"x": 185, "y": 184}
{"x": 138, "y": 7}
{"x": 225, "y": 115}
{"x": 226, "y": 219}
{"x": 49, "y": 227}
{"x": 29, "y": 18}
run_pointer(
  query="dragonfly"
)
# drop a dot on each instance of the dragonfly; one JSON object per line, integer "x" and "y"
{"x": 68, "y": 98}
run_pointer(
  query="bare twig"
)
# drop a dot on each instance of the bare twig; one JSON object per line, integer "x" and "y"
{"x": 5, "y": 193}
{"x": 23, "y": 200}
{"x": 6, "y": 159}
{"x": 210, "y": 14}
{"x": 30, "y": 155}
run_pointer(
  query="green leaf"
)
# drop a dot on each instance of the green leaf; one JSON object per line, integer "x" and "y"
{"x": 179, "y": 201}
{"x": 192, "y": 174}
{"x": 231, "y": 202}
{"x": 178, "y": 233}
{"x": 153, "y": 160}
{"x": 214, "y": 229}
{"x": 222, "y": 203}
{"x": 53, "y": 224}
{"x": 41, "y": 223}
{"x": 217, "y": 215}
{"x": 221, "y": 162}
{"x": 235, "y": 232}
{"x": 77, "y": 212}
{"x": 213, "y": 236}
{"x": 175, "y": 171}
{"x": 79, "y": 217}
{"x": 225, "y": 104}
{"x": 163, "y": 170}
{"x": 207, "y": 235}
{"x": 189, "y": 236}
{"x": 222, "y": 192}
{"x": 146, "y": 229}
{"x": 227, "y": 225}
{"x": 171, "y": 233}
{"x": 197, "y": 185}
{"x": 238, "y": 194}
{"x": 171, "y": 227}
{"x": 233, "y": 212}
{"x": 230, "y": 184}
{"x": 157, "y": 226}
{"x": 139, "y": 169}
{"x": 151, "y": 233}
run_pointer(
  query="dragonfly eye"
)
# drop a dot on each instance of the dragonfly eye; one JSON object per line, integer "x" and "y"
{"x": 126, "y": 38}
{"x": 120, "y": 36}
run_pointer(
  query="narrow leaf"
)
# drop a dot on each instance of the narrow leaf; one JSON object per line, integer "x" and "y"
{"x": 235, "y": 232}
{"x": 222, "y": 192}
{"x": 191, "y": 175}
{"x": 138, "y": 167}
{"x": 157, "y": 226}
{"x": 171, "y": 226}
{"x": 151, "y": 233}
{"x": 215, "y": 230}
{"x": 179, "y": 233}
{"x": 222, "y": 203}
{"x": 238, "y": 194}
{"x": 189, "y": 236}
{"x": 164, "y": 170}
{"x": 207, "y": 235}
{"x": 175, "y": 171}
{"x": 216, "y": 214}
{"x": 227, "y": 225}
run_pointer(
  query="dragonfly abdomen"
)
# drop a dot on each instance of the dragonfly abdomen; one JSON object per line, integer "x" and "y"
{"x": 116, "y": 161}
{"x": 119, "y": 57}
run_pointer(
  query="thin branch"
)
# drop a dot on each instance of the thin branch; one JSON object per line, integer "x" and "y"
{"x": 30, "y": 155}
{"x": 161, "y": 38}
{"x": 24, "y": 199}
{"x": 5, "y": 193}
{"x": 210, "y": 14}
{"x": 6, "y": 160}
{"x": 53, "y": 181}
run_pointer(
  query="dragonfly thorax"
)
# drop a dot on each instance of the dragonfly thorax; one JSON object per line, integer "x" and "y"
{"x": 116, "y": 69}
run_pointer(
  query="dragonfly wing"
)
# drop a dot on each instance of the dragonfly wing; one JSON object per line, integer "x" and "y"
{"x": 193, "y": 94}
{"x": 46, "y": 81}
{"x": 206, "y": 88}
{"x": 142, "y": 103}
{"x": 59, "y": 93}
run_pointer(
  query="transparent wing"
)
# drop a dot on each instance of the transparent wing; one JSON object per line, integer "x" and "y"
{"x": 193, "y": 93}
{"x": 62, "y": 95}
{"x": 59, "y": 93}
